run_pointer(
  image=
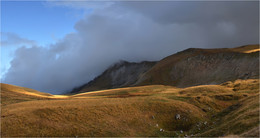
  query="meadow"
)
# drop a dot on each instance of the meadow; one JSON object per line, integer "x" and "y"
{"x": 228, "y": 109}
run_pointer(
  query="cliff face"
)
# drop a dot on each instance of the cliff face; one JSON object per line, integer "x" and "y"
{"x": 121, "y": 74}
{"x": 186, "y": 68}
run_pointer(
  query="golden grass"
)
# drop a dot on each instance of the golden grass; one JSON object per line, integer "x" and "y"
{"x": 14, "y": 94}
{"x": 110, "y": 117}
{"x": 22, "y": 90}
{"x": 237, "y": 119}
{"x": 230, "y": 109}
{"x": 247, "y": 49}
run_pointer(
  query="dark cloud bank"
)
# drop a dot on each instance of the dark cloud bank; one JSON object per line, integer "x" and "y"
{"x": 133, "y": 31}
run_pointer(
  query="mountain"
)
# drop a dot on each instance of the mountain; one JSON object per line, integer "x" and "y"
{"x": 204, "y": 66}
{"x": 190, "y": 67}
{"x": 121, "y": 74}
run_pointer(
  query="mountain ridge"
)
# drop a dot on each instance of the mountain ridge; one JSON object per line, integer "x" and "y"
{"x": 204, "y": 62}
{"x": 190, "y": 67}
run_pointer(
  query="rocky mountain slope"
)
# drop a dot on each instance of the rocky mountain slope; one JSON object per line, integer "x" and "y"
{"x": 204, "y": 66}
{"x": 121, "y": 74}
{"x": 190, "y": 67}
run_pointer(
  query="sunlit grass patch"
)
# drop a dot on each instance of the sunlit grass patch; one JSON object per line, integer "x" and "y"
{"x": 208, "y": 110}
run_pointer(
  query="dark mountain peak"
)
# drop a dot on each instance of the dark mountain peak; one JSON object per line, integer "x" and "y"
{"x": 121, "y": 63}
{"x": 120, "y": 74}
{"x": 118, "y": 64}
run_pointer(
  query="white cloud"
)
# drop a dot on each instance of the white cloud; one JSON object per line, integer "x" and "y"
{"x": 12, "y": 39}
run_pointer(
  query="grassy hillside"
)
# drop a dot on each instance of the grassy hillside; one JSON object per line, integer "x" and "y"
{"x": 14, "y": 94}
{"x": 231, "y": 108}
{"x": 247, "y": 49}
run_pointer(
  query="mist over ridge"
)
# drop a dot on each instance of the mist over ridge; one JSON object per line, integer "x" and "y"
{"x": 132, "y": 31}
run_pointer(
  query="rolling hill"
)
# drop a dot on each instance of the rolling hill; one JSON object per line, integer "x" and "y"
{"x": 15, "y": 94}
{"x": 229, "y": 109}
{"x": 190, "y": 67}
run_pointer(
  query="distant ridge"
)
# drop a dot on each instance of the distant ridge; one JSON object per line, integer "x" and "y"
{"x": 204, "y": 66}
{"x": 191, "y": 67}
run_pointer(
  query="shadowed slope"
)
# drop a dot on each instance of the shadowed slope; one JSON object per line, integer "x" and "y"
{"x": 204, "y": 66}
{"x": 121, "y": 74}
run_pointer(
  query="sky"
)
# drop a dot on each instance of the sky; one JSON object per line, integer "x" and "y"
{"x": 54, "y": 46}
